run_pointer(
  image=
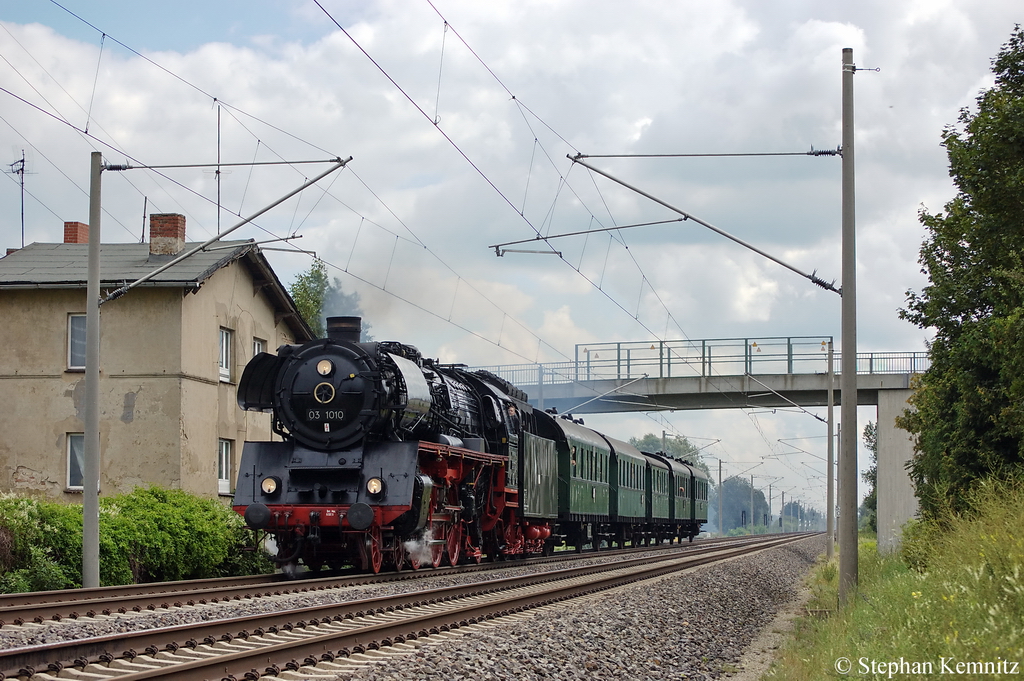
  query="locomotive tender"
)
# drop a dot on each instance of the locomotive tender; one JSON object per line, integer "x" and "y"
{"x": 388, "y": 458}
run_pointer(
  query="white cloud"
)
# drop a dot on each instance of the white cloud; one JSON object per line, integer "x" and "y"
{"x": 421, "y": 203}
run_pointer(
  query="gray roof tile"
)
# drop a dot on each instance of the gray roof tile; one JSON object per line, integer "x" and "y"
{"x": 65, "y": 265}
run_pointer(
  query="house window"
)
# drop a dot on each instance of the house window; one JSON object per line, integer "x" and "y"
{"x": 224, "y": 466}
{"x": 224, "y": 363}
{"x": 76, "y": 341}
{"x": 76, "y": 460}
{"x": 258, "y": 345}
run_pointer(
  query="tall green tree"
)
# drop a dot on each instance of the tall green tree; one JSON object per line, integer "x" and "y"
{"x": 319, "y": 298}
{"x": 968, "y": 411}
{"x": 309, "y": 291}
{"x": 676, "y": 446}
{"x": 869, "y": 507}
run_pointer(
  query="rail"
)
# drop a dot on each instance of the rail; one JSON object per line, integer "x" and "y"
{"x": 704, "y": 358}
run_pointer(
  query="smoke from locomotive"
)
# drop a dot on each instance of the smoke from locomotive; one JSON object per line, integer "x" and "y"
{"x": 390, "y": 458}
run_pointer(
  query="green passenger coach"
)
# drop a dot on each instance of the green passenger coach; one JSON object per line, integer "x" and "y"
{"x": 630, "y": 483}
{"x": 607, "y": 491}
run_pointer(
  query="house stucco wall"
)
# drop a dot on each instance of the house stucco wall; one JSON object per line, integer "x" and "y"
{"x": 228, "y": 300}
{"x": 163, "y": 406}
{"x": 138, "y": 385}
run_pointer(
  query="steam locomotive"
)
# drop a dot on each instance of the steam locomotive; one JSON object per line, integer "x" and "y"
{"x": 390, "y": 459}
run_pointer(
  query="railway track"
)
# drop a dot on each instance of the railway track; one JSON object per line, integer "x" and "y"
{"x": 46, "y": 606}
{"x": 330, "y": 637}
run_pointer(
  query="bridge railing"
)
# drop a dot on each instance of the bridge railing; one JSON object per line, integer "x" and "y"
{"x": 712, "y": 357}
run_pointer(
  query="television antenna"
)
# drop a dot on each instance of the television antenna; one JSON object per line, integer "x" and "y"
{"x": 19, "y": 168}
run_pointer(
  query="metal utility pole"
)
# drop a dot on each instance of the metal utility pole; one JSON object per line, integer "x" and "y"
{"x": 751, "y": 504}
{"x": 848, "y": 382}
{"x": 91, "y": 467}
{"x": 830, "y": 503}
{"x": 782, "y": 518}
{"x": 91, "y": 464}
{"x": 721, "y": 491}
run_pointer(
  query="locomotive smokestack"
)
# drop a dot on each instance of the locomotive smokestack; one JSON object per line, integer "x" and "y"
{"x": 344, "y": 328}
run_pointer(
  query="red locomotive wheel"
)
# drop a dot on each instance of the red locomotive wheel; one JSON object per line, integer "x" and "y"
{"x": 371, "y": 552}
{"x": 398, "y": 555}
{"x": 454, "y": 543}
{"x": 436, "y": 543}
{"x": 414, "y": 559}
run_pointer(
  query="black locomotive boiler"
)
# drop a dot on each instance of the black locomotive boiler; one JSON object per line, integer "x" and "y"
{"x": 388, "y": 458}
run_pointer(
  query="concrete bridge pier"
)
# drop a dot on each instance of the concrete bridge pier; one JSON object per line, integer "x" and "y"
{"x": 896, "y": 501}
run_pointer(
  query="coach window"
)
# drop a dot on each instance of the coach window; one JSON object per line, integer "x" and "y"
{"x": 76, "y": 342}
{"x": 224, "y": 361}
{"x": 224, "y": 466}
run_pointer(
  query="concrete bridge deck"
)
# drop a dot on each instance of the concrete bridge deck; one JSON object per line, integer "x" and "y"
{"x": 737, "y": 373}
{"x": 730, "y": 373}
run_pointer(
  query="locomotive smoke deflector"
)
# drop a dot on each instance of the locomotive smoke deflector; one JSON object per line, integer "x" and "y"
{"x": 417, "y": 392}
{"x": 256, "y": 387}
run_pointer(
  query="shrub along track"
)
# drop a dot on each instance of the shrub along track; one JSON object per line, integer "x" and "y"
{"x": 270, "y": 644}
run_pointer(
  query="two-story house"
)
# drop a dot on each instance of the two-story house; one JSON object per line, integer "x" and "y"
{"x": 171, "y": 352}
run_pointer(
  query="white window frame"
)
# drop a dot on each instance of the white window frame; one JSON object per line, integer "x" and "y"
{"x": 69, "y": 448}
{"x": 258, "y": 345}
{"x": 76, "y": 340}
{"x": 224, "y": 358}
{"x": 224, "y": 449}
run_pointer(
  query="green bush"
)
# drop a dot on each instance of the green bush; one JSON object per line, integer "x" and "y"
{"x": 149, "y": 535}
{"x": 36, "y": 552}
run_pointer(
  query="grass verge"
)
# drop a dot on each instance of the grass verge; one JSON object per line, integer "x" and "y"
{"x": 951, "y": 603}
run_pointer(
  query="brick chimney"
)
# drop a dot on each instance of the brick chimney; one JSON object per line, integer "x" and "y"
{"x": 76, "y": 233}
{"x": 166, "y": 233}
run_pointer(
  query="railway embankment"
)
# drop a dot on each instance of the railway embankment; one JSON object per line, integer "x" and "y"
{"x": 950, "y": 603}
{"x": 692, "y": 625}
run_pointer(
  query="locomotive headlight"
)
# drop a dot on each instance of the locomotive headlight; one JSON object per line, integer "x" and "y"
{"x": 375, "y": 487}
{"x": 269, "y": 485}
{"x": 324, "y": 367}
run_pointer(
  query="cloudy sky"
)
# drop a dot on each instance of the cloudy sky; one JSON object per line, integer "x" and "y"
{"x": 459, "y": 116}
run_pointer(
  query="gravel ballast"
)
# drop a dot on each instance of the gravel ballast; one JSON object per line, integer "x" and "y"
{"x": 694, "y": 625}
{"x": 691, "y": 626}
